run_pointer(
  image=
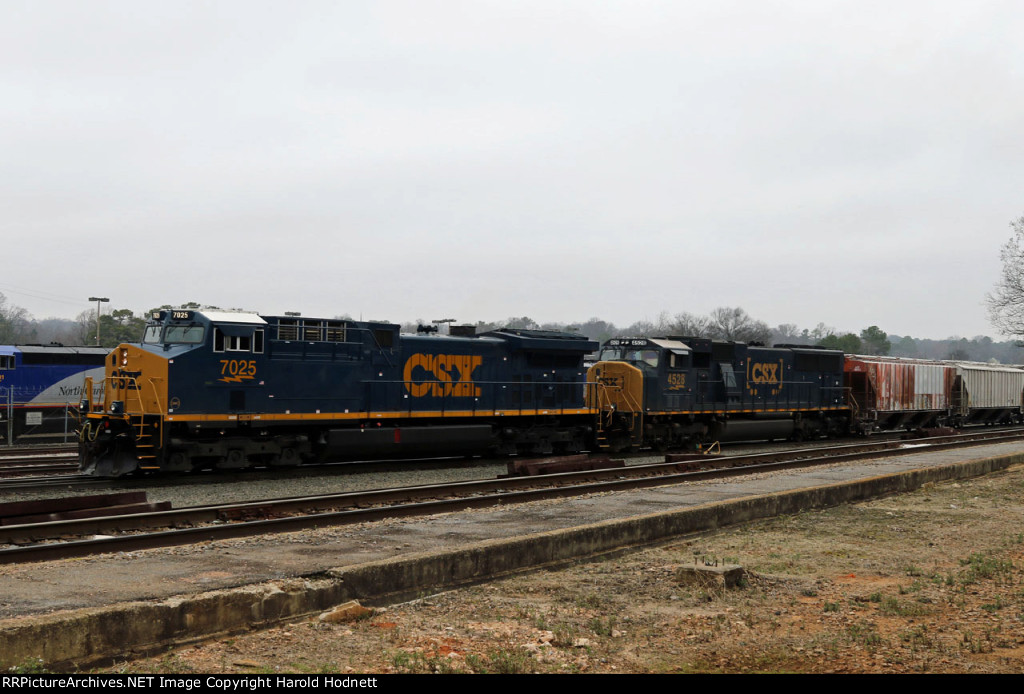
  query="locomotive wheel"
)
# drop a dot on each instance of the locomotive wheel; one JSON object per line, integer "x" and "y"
{"x": 177, "y": 462}
{"x": 234, "y": 460}
{"x": 288, "y": 457}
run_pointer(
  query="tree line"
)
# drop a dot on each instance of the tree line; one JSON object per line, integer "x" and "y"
{"x": 728, "y": 323}
{"x": 117, "y": 325}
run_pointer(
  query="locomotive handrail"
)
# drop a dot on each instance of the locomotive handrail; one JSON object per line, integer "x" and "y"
{"x": 156, "y": 398}
{"x": 133, "y": 395}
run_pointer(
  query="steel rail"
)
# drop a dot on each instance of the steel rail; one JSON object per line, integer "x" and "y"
{"x": 409, "y": 501}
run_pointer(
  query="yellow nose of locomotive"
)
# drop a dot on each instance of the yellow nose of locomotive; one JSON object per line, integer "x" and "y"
{"x": 125, "y": 432}
{"x": 136, "y": 382}
{"x": 619, "y": 387}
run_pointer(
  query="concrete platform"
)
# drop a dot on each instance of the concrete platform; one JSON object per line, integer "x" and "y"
{"x": 74, "y": 613}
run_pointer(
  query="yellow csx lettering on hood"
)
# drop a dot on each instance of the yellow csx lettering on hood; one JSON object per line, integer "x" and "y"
{"x": 441, "y": 374}
{"x": 764, "y": 373}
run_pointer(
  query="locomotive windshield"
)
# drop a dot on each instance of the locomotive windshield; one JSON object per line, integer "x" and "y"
{"x": 638, "y": 357}
{"x": 188, "y": 334}
{"x": 174, "y": 334}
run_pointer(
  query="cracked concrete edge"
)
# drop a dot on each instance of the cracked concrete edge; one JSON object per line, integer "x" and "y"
{"x": 77, "y": 639}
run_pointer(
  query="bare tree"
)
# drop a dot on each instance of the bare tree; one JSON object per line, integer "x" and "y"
{"x": 1006, "y": 300}
{"x": 820, "y": 332}
{"x": 641, "y": 328}
{"x": 15, "y": 323}
{"x": 786, "y": 333}
{"x": 734, "y": 324}
{"x": 689, "y": 325}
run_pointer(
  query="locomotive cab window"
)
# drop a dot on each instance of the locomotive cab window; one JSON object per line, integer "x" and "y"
{"x": 7, "y": 361}
{"x": 678, "y": 359}
{"x": 152, "y": 334}
{"x": 643, "y": 357}
{"x": 184, "y": 334}
{"x": 235, "y": 340}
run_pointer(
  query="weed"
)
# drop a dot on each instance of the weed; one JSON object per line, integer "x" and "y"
{"x": 831, "y": 606}
{"x": 602, "y": 626}
{"x": 29, "y": 666}
{"x": 914, "y": 587}
{"x": 912, "y": 570}
{"x": 393, "y": 635}
{"x": 501, "y": 662}
{"x": 892, "y": 606}
{"x": 590, "y": 601}
{"x": 976, "y": 644}
{"x": 405, "y": 662}
{"x": 864, "y": 633}
{"x": 994, "y": 606}
{"x": 916, "y": 636}
{"x": 978, "y": 567}
{"x": 540, "y": 622}
{"x": 173, "y": 663}
{"x": 564, "y": 635}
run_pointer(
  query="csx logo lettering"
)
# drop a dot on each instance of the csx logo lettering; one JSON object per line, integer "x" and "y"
{"x": 765, "y": 374}
{"x": 124, "y": 380}
{"x": 762, "y": 372}
{"x": 441, "y": 374}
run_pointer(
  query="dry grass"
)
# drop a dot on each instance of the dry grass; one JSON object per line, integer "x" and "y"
{"x": 925, "y": 582}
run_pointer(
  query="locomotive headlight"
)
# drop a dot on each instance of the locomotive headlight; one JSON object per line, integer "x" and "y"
{"x": 117, "y": 407}
{"x": 124, "y": 357}
{"x": 84, "y": 405}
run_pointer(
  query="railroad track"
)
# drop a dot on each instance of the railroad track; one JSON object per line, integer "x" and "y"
{"x": 10, "y": 452}
{"x": 131, "y": 532}
{"x": 24, "y": 461}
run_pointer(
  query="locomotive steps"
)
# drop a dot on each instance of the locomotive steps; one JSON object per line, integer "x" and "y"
{"x": 365, "y": 564}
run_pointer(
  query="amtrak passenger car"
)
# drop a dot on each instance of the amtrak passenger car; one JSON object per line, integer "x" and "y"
{"x": 233, "y": 390}
{"x": 41, "y": 386}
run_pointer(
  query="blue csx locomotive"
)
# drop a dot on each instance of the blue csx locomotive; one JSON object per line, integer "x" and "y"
{"x": 668, "y": 392}
{"x": 232, "y": 390}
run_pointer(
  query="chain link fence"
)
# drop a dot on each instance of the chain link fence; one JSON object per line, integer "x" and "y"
{"x": 24, "y": 422}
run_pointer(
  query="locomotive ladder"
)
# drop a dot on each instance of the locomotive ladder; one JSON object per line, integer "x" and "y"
{"x": 606, "y": 412}
{"x": 145, "y": 438}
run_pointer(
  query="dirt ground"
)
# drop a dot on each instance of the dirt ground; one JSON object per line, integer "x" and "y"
{"x": 931, "y": 581}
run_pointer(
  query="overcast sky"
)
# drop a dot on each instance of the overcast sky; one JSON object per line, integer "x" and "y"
{"x": 854, "y": 163}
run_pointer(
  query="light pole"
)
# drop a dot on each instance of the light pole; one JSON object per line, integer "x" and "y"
{"x": 99, "y": 300}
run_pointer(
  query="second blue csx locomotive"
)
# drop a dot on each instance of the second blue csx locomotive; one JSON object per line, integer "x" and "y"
{"x": 230, "y": 390}
{"x": 673, "y": 391}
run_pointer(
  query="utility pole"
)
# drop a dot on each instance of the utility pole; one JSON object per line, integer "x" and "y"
{"x": 99, "y": 300}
